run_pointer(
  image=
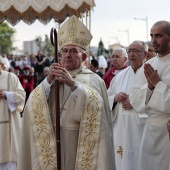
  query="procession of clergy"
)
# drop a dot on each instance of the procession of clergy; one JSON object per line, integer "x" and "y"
{"x": 121, "y": 125}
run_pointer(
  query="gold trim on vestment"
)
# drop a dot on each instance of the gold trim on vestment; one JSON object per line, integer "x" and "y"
{"x": 42, "y": 131}
{"x": 87, "y": 151}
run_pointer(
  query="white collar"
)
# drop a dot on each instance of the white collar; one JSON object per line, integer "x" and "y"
{"x": 116, "y": 72}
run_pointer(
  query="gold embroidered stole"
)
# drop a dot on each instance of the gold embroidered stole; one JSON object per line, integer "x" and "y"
{"x": 87, "y": 151}
{"x": 43, "y": 133}
{"x": 42, "y": 129}
{"x": 89, "y": 133}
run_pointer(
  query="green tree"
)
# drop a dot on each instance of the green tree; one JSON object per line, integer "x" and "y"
{"x": 6, "y": 38}
{"x": 100, "y": 49}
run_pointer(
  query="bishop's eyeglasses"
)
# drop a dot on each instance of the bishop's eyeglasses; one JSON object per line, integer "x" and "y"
{"x": 135, "y": 51}
{"x": 72, "y": 51}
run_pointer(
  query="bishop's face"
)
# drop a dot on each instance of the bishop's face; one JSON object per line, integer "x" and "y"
{"x": 72, "y": 57}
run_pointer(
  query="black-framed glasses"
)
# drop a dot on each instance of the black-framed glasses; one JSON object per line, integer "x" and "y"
{"x": 136, "y": 51}
{"x": 72, "y": 51}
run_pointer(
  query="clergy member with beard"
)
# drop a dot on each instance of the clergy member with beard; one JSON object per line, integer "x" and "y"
{"x": 151, "y": 94}
{"x": 127, "y": 124}
{"x": 85, "y": 120}
{"x": 12, "y": 98}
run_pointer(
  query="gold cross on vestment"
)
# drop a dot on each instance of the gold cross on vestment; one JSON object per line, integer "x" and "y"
{"x": 120, "y": 151}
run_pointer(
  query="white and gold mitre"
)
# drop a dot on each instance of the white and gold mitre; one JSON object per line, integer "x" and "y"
{"x": 74, "y": 32}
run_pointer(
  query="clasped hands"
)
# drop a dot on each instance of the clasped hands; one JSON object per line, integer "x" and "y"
{"x": 57, "y": 72}
{"x": 151, "y": 76}
{"x": 124, "y": 99}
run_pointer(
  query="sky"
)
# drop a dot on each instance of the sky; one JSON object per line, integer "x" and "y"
{"x": 112, "y": 21}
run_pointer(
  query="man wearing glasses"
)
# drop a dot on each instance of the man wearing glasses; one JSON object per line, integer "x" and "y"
{"x": 85, "y": 121}
{"x": 151, "y": 94}
{"x": 127, "y": 125}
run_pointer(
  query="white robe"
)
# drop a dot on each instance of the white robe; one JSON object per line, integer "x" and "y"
{"x": 127, "y": 125}
{"x": 10, "y": 117}
{"x": 155, "y": 146}
{"x": 76, "y": 124}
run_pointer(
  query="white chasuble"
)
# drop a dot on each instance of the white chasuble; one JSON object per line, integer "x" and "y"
{"x": 5, "y": 121}
{"x": 155, "y": 147}
{"x": 86, "y": 139}
{"x": 127, "y": 124}
{"x": 10, "y": 121}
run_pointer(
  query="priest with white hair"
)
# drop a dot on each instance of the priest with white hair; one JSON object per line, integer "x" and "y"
{"x": 128, "y": 125}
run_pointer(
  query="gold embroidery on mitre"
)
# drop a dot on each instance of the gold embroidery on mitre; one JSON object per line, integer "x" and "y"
{"x": 43, "y": 138}
{"x": 70, "y": 35}
{"x": 62, "y": 33}
{"x": 82, "y": 33}
{"x": 89, "y": 141}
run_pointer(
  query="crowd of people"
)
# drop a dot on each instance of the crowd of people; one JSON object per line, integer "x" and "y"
{"x": 30, "y": 70}
{"x": 112, "y": 117}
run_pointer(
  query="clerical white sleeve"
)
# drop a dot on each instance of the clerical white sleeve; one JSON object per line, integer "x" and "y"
{"x": 160, "y": 99}
{"x": 111, "y": 94}
{"x": 158, "y": 110}
{"x": 47, "y": 87}
{"x": 140, "y": 94}
{"x": 10, "y": 101}
{"x": 18, "y": 93}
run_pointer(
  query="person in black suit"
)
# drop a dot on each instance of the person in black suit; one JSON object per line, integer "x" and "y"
{"x": 95, "y": 66}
